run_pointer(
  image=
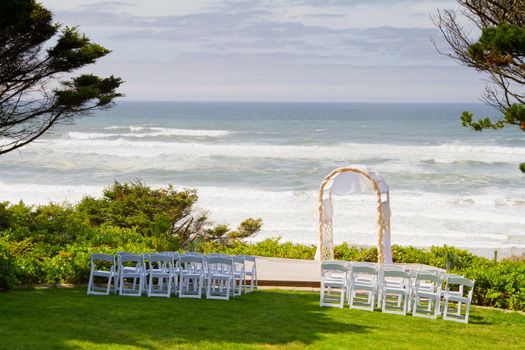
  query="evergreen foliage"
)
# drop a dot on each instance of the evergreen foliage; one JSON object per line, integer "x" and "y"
{"x": 35, "y": 57}
{"x": 499, "y": 52}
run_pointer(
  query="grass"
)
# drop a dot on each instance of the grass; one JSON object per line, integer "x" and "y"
{"x": 273, "y": 319}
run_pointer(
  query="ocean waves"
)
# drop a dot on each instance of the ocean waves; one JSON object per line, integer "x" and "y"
{"x": 449, "y": 185}
{"x": 342, "y": 152}
{"x": 145, "y": 131}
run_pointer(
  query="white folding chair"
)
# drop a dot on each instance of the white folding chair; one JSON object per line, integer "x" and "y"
{"x": 334, "y": 283}
{"x": 103, "y": 266}
{"x": 131, "y": 267}
{"x": 395, "y": 286}
{"x": 363, "y": 287}
{"x": 160, "y": 270}
{"x": 381, "y": 269}
{"x": 458, "y": 292}
{"x": 220, "y": 278}
{"x": 239, "y": 275}
{"x": 250, "y": 273}
{"x": 427, "y": 295}
{"x": 191, "y": 276}
{"x": 176, "y": 271}
{"x": 118, "y": 255}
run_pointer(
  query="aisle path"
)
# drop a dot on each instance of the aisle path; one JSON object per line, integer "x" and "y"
{"x": 297, "y": 272}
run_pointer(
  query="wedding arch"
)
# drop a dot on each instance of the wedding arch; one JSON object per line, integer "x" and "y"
{"x": 346, "y": 181}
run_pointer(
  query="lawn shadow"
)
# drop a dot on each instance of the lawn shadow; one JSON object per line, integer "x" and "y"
{"x": 476, "y": 319}
{"x": 266, "y": 317}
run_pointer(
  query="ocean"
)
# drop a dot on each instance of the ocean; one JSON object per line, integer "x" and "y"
{"x": 449, "y": 184}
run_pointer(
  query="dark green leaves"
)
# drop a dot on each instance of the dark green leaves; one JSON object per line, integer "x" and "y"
{"x": 74, "y": 50}
{"x": 498, "y": 45}
{"x": 87, "y": 87}
{"x": 514, "y": 115}
{"x": 29, "y": 105}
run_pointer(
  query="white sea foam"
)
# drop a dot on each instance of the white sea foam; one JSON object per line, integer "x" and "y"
{"x": 149, "y": 131}
{"x": 419, "y": 219}
{"x": 347, "y": 152}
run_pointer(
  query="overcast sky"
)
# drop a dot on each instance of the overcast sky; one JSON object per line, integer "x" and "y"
{"x": 265, "y": 50}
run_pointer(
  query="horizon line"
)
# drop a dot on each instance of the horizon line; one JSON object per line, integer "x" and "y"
{"x": 301, "y": 101}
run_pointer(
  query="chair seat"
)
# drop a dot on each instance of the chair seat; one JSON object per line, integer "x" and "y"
{"x": 335, "y": 280}
{"x": 429, "y": 295}
{"x": 219, "y": 277}
{"x": 456, "y": 298}
{"x": 132, "y": 270}
{"x": 359, "y": 286}
{"x": 393, "y": 284}
{"x": 132, "y": 274}
{"x": 334, "y": 284}
{"x": 191, "y": 275}
{"x": 395, "y": 290}
{"x": 161, "y": 274}
{"x": 364, "y": 280}
{"x": 102, "y": 273}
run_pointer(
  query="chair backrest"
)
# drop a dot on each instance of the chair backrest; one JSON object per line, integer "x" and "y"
{"x": 194, "y": 254}
{"x": 220, "y": 264}
{"x": 191, "y": 262}
{"x": 119, "y": 254}
{"x": 395, "y": 274}
{"x": 250, "y": 265}
{"x": 238, "y": 263}
{"x": 153, "y": 258}
{"x": 105, "y": 257}
{"x": 334, "y": 270}
{"x": 174, "y": 254}
{"x": 130, "y": 259}
{"x": 102, "y": 258}
{"x": 429, "y": 279}
{"x": 385, "y": 267}
{"x": 161, "y": 261}
{"x": 365, "y": 263}
{"x": 334, "y": 266}
{"x": 364, "y": 269}
{"x": 460, "y": 281}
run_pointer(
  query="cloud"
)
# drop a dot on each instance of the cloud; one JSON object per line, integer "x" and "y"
{"x": 406, "y": 43}
{"x": 106, "y": 5}
{"x": 228, "y": 47}
{"x": 326, "y": 15}
{"x": 352, "y": 3}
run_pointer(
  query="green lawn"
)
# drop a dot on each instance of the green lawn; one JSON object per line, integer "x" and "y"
{"x": 69, "y": 319}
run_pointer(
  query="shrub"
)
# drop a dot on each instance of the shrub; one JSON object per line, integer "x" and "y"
{"x": 7, "y": 267}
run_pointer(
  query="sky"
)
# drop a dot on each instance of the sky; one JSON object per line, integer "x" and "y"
{"x": 273, "y": 50}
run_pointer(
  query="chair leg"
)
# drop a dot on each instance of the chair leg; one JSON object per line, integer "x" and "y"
{"x": 90, "y": 283}
{"x": 108, "y": 289}
{"x": 150, "y": 285}
{"x": 121, "y": 284}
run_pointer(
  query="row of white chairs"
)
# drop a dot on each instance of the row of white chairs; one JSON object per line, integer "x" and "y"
{"x": 425, "y": 293}
{"x": 162, "y": 274}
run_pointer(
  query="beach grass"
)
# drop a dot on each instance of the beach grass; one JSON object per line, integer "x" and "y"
{"x": 269, "y": 319}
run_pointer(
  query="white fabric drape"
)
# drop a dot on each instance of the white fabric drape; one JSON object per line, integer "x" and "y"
{"x": 349, "y": 180}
